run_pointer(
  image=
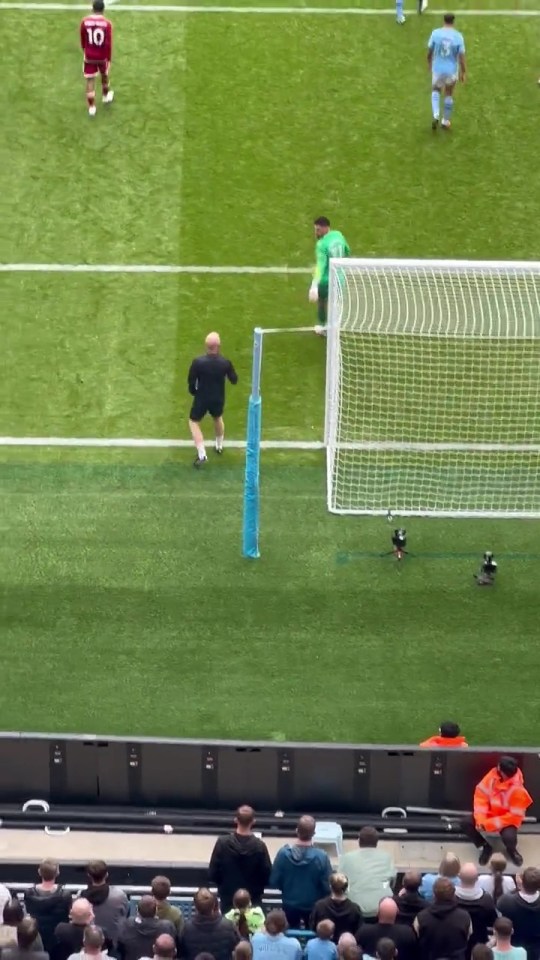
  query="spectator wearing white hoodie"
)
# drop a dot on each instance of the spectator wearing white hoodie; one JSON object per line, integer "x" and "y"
{"x": 93, "y": 943}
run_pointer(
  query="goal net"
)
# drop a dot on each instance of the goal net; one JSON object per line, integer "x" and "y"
{"x": 433, "y": 388}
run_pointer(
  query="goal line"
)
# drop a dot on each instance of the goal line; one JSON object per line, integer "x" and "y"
{"x": 149, "y": 443}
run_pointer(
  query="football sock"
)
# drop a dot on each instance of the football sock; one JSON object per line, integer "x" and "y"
{"x": 219, "y": 443}
{"x": 201, "y": 451}
{"x": 90, "y": 98}
{"x": 435, "y": 103}
{"x": 105, "y": 87}
{"x": 448, "y": 104}
{"x": 399, "y": 9}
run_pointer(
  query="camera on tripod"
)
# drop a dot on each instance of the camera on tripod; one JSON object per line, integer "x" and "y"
{"x": 488, "y": 570}
{"x": 399, "y": 542}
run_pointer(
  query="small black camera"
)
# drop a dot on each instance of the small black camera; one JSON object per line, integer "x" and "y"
{"x": 399, "y": 539}
{"x": 488, "y": 570}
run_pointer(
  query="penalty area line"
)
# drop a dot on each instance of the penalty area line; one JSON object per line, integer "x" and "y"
{"x": 149, "y": 443}
{"x": 239, "y": 11}
{"x": 146, "y": 268}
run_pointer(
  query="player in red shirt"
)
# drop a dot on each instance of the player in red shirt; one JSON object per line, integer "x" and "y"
{"x": 96, "y": 44}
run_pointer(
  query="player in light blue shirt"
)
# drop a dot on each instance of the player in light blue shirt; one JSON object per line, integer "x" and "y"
{"x": 446, "y": 60}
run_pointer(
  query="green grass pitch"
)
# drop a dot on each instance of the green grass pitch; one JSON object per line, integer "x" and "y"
{"x": 126, "y": 606}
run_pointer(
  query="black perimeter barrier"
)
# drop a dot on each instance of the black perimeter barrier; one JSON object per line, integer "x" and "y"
{"x": 108, "y": 783}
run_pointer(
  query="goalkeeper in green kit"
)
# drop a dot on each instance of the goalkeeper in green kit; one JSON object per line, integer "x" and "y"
{"x": 330, "y": 243}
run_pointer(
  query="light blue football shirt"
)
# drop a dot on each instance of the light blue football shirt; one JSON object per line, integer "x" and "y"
{"x": 446, "y": 44}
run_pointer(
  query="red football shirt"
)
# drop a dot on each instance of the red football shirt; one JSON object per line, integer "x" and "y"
{"x": 96, "y": 38}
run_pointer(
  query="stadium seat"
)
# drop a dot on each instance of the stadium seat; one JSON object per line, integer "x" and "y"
{"x": 329, "y": 833}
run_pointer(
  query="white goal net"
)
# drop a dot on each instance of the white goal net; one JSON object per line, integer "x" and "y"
{"x": 433, "y": 388}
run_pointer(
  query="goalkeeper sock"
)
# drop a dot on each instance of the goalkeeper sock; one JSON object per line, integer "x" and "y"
{"x": 399, "y": 9}
{"x": 201, "y": 451}
{"x": 219, "y": 443}
{"x": 448, "y": 105}
{"x": 435, "y": 103}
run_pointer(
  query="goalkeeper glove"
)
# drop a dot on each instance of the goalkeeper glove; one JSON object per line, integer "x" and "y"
{"x": 314, "y": 292}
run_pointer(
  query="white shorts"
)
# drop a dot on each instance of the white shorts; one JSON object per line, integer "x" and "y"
{"x": 440, "y": 80}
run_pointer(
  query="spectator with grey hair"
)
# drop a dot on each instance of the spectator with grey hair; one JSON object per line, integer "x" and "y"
{"x": 48, "y": 901}
{"x": 338, "y": 907}
{"x": 27, "y": 934}
{"x": 93, "y": 945}
{"x": 68, "y": 937}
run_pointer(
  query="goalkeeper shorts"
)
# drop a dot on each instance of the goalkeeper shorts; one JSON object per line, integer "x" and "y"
{"x": 201, "y": 406}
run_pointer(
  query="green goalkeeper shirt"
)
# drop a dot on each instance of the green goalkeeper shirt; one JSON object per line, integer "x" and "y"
{"x": 333, "y": 244}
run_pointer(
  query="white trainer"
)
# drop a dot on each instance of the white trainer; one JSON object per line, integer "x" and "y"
{"x": 109, "y": 97}
{"x": 91, "y": 111}
{"x": 400, "y": 20}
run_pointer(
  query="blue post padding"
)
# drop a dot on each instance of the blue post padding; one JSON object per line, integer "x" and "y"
{"x": 250, "y": 534}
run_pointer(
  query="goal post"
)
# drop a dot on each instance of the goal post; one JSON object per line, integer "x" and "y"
{"x": 433, "y": 388}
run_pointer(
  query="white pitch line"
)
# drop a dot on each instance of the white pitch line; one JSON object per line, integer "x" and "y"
{"x": 149, "y": 443}
{"x": 302, "y": 11}
{"x": 142, "y": 268}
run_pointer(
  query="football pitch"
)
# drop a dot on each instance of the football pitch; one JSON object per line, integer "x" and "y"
{"x": 126, "y": 606}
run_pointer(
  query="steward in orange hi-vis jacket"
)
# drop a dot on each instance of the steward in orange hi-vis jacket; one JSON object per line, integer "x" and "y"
{"x": 449, "y": 736}
{"x": 500, "y": 805}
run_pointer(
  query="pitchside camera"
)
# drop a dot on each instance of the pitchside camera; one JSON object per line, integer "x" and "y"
{"x": 399, "y": 539}
{"x": 488, "y": 569}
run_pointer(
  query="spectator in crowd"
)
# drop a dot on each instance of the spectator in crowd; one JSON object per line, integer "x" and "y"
{"x": 240, "y": 861}
{"x": 348, "y": 950}
{"x": 479, "y": 905}
{"x": 346, "y": 940}
{"x": 370, "y": 872}
{"x": 27, "y": 934}
{"x": 322, "y": 947}
{"x": 386, "y": 949}
{"x": 164, "y": 948}
{"x": 481, "y": 951}
{"x": 137, "y": 934}
{"x": 443, "y": 927}
{"x": 246, "y": 918}
{"x": 208, "y": 931}
{"x": 449, "y": 735}
{"x": 243, "y": 951}
{"x": 387, "y": 928}
{"x": 344, "y": 914}
{"x": 501, "y": 943}
{"x": 523, "y": 909}
{"x": 92, "y": 946}
{"x": 301, "y": 871}
{"x": 5, "y": 897}
{"x": 13, "y": 915}
{"x": 68, "y": 937}
{"x": 272, "y": 942}
{"x": 449, "y": 868}
{"x": 500, "y": 804}
{"x": 48, "y": 902}
{"x": 161, "y": 888}
{"x": 497, "y": 882}
{"x": 109, "y": 903}
{"x": 409, "y": 901}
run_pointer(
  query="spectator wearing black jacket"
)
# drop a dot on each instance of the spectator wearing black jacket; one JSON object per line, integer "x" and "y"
{"x": 443, "y": 928}
{"x": 48, "y": 901}
{"x": 386, "y": 928}
{"x": 208, "y": 931}
{"x": 68, "y": 937}
{"x": 523, "y": 909}
{"x": 344, "y": 914}
{"x": 479, "y": 905}
{"x": 137, "y": 935}
{"x": 240, "y": 861}
{"x": 409, "y": 901}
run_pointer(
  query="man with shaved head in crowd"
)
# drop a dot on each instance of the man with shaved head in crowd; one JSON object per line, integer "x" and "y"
{"x": 240, "y": 861}
{"x": 388, "y": 928}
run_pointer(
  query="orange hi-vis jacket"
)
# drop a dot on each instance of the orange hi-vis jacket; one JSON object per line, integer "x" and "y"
{"x": 500, "y": 803}
{"x": 445, "y": 742}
